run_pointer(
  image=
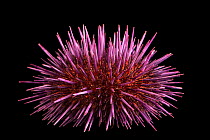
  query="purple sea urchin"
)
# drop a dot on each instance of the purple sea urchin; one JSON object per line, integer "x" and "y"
{"x": 113, "y": 81}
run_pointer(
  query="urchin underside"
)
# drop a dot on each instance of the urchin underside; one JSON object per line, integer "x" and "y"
{"x": 114, "y": 81}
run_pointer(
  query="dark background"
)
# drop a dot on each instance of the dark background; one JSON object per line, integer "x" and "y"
{"x": 42, "y": 28}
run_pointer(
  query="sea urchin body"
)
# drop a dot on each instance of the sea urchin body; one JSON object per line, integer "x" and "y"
{"x": 114, "y": 82}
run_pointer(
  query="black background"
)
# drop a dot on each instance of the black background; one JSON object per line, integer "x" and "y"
{"x": 34, "y": 28}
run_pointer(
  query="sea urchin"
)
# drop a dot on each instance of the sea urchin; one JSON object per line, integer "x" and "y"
{"x": 114, "y": 82}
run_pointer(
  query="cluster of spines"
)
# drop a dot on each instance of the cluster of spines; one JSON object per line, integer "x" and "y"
{"x": 113, "y": 81}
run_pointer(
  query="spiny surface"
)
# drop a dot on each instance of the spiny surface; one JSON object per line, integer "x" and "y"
{"x": 115, "y": 82}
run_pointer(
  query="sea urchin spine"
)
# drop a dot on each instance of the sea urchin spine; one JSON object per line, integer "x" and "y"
{"x": 112, "y": 82}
